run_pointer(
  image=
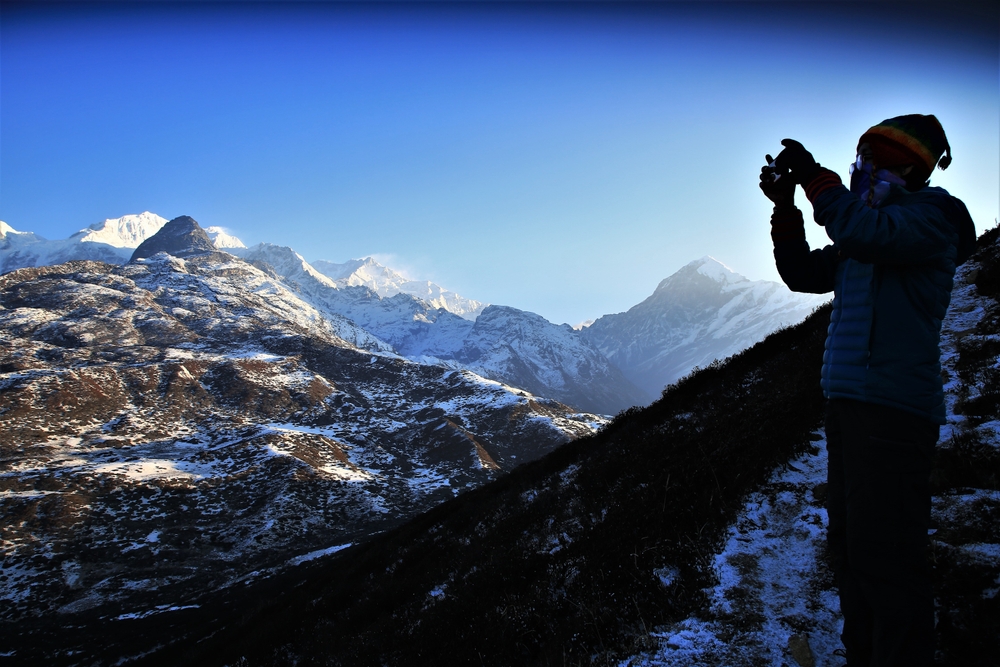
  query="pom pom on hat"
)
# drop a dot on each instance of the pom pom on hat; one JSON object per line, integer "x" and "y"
{"x": 912, "y": 139}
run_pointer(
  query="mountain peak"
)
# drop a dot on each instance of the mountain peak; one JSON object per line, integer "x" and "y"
{"x": 712, "y": 268}
{"x": 181, "y": 237}
{"x": 128, "y": 231}
{"x": 6, "y": 229}
{"x": 707, "y": 266}
{"x": 222, "y": 239}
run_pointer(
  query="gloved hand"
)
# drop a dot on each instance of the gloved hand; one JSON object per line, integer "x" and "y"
{"x": 797, "y": 160}
{"x": 780, "y": 191}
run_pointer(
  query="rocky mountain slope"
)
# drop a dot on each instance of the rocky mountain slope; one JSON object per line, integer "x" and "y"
{"x": 688, "y": 532}
{"x": 528, "y": 351}
{"x": 181, "y": 237}
{"x": 701, "y": 313}
{"x": 504, "y": 344}
{"x": 176, "y": 427}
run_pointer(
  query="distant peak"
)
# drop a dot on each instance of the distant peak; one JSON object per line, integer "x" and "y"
{"x": 223, "y": 239}
{"x": 128, "y": 231}
{"x": 712, "y": 268}
{"x": 706, "y": 266}
{"x": 6, "y": 229}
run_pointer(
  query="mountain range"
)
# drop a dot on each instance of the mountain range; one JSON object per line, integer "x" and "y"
{"x": 701, "y": 313}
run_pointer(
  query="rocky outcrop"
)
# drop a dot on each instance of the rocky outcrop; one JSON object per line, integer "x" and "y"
{"x": 181, "y": 237}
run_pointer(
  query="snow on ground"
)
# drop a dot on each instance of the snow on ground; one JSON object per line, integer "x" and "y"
{"x": 773, "y": 596}
{"x": 319, "y": 553}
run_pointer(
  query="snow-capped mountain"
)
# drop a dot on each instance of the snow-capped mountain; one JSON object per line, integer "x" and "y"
{"x": 703, "y": 312}
{"x": 222, "y": 239}
{"x": 528, "y": 351}
{"x": 109, "y": 241}
{"x": 386, "y": 283}
{"x": 231, "y": 421}
{"x": 127, "y": 231}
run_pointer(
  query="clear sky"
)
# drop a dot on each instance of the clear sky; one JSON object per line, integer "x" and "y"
{"x": 559, "y": 158}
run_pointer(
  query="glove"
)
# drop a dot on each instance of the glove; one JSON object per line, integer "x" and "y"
{"x": 779, "y": 188}
{"x": 797, "y": 160}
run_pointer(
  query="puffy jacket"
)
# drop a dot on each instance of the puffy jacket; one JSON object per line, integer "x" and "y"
{"x": 891, "y": 270}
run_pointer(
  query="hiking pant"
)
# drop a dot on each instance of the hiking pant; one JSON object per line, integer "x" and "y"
{"x": 879, "y": 505}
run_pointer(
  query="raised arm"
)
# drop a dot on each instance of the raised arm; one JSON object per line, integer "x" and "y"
{"x": 802, "y": 269}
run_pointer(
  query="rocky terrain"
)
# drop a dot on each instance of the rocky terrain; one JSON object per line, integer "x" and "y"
{"x": 176, "y": 426}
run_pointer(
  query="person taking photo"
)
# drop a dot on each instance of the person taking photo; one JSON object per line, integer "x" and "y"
{"x": 895, "y": 245}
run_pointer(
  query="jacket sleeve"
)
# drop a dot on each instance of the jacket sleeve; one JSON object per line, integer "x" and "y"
{"x": 912, "y": 231}
{"x": 802, "y": 269}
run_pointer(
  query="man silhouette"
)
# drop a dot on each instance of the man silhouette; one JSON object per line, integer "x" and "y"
{"x": 896, "y": 243}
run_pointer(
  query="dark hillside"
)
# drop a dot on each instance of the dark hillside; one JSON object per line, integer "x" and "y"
{"x": 557, "y": 563}
{"x": 554, "y": 564}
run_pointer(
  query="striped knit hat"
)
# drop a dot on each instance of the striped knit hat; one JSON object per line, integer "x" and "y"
{"x": 913, "y": 139}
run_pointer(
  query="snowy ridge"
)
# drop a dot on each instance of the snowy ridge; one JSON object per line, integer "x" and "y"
{"x": 279, "y": 303}
{"x": 703, "y": 312}
{"x": 528, "y": 351}
{"x": 712, "y": 268}
{"x": 505, "y": 344}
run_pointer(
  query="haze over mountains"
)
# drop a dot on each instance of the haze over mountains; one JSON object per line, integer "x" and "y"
{"x": 701, "y": 313}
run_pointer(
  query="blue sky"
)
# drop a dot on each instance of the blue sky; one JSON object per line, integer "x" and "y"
{"x": 559, "y": 158}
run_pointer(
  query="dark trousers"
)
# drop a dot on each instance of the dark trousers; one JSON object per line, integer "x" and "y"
{"x": 879, "y": 505}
